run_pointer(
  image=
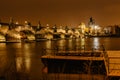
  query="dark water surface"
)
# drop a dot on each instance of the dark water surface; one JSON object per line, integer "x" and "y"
{"x": 21, "y": 61}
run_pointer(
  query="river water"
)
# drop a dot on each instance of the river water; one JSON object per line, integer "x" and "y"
{"x": 22, "y": 61}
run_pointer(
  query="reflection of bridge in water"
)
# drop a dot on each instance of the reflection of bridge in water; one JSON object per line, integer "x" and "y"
{"x": 82, "y": 64}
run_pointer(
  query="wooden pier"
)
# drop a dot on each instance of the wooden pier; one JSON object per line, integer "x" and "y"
{"x": 110, "y": 61}
{"x": 113, "y": 63}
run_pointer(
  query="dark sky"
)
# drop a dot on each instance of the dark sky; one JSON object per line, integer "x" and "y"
{"x": 61, "y": 12}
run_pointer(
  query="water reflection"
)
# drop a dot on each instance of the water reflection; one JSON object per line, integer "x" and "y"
{"x": 61, "y": 43}
{"x": 17, "y": 45}
{"x": 96, "y": 43}
{"x": 2, "y": 46}
{"x": 82, "y": 43}
{"x": 19, "y": 63}
{"x": 70, "y": 43}
{"x": 23, "y": 64}
{"x": 23, "y": 59}
{"x": 48, "y": 47}
{"x": 48, "y": 44}
{"x": 3, "y": 59}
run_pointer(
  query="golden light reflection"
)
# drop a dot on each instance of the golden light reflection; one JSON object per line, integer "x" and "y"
{"x": 96, "y": 42}
{"x": 26, "y": 46}
{"x": 23, "y": 62}
{"x": 3, "y": 56}
{"x": 28, "y": 63}
{"x": 48, "y": 44}
{"x": 2, "y": 45}
{"x": 27, "y": 55}
{"x": 61, "y": 43}
{"x": 70, "y": 43}
{"x": 78, "y": 43}
{"x": 19, "y": 63}
{"x": 82, "y": 43}
{"x": 17, "y": 45}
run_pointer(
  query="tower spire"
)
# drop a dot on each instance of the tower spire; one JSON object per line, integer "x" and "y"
{"x": 11, "y": 24}
{"x": 91, "y": 21}
{"x": 11, "y": 20}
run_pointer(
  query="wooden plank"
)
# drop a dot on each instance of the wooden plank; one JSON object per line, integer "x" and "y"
{"x": 72, "y": 57}
{"x": 114, "y": 63}
{"x": 74, "y": 77}
{"x": 79, "y": 51}
{"x": 114, "y": 73}
{"x": 113, "y": 53}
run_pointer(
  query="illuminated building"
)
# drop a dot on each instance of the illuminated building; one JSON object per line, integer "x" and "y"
{"x": 93, "y": 28}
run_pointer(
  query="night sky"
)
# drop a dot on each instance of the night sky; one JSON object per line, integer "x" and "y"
{"x": 61, "y": 12}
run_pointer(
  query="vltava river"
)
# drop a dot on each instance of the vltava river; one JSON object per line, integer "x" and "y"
{"x": 21, "y": 61}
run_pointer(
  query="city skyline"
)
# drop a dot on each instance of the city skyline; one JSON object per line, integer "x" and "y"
{"x": 61, "y": 12}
